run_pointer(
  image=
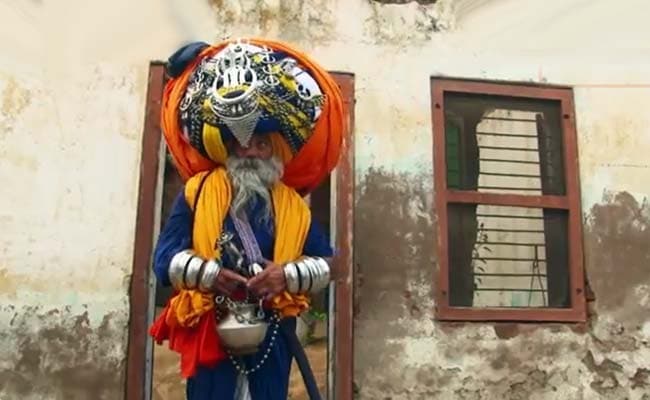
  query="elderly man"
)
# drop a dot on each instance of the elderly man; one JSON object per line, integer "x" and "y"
{"x": 239, "y": 235}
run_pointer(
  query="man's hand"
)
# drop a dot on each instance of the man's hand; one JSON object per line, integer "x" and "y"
{"x": 227, "y": 281}
{"x": 269, "y": 282}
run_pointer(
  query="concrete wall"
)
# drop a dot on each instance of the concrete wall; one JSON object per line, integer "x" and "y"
{"x": 72, "y": 87}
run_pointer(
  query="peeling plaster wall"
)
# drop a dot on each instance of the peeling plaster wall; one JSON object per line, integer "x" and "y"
{"x": 72, "y": 93}
{"x": 69, "y": 161}
{"x": 72, "y": 90}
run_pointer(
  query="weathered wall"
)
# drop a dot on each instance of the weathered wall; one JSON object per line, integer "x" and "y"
{"x": 72, "y": 91}
{"x": 416, "y": 358}
{"x": 72, "y": 84}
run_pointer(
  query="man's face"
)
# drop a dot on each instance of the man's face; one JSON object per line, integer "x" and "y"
{"x": 253, "y": 171}
{"x": 258, "y": 147}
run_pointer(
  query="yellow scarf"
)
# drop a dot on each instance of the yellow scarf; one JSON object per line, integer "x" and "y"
{"x": 292, "y": 220}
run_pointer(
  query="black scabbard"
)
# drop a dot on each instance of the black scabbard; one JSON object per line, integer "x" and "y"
{"x": 288, "y": 329}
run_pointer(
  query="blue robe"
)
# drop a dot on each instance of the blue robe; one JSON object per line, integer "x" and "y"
{"x": 271, "y": 381}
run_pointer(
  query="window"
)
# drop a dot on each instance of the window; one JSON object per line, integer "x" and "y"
{"x": 508, "y": 203}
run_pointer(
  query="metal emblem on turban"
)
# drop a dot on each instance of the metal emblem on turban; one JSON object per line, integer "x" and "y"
{"x": 233, "y": 96}
{"x": 245, "y": 89}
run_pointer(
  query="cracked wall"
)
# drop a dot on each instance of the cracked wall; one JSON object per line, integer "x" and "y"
{"x": 72, "y": 104}
{"x": 62, "y": 353}
{"x": 418, "y": 358}
{"x": 69, "y": 162}
{"x": 70, "y": 134}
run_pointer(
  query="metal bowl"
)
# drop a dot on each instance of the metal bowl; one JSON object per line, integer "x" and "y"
{"x": 242, "y": 335}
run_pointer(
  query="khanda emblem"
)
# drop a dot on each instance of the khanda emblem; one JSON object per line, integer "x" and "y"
{"x": 234, "y": 93}
{"x": 243, "y": 86}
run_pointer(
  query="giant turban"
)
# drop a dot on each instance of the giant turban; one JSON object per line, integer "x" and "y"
{"x": 235, "y": 89}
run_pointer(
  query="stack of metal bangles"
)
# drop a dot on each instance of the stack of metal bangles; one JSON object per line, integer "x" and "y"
{"x": 308, "y": 275}
{"x": 189, "y": 271}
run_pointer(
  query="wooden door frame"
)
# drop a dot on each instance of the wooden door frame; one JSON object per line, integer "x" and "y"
{"x": 344, "y": 228}
{"x": 149, "y": 191}
{"x": 145, "y": 234}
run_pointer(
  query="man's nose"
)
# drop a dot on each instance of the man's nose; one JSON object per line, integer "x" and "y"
{"x": 250, "y": 152}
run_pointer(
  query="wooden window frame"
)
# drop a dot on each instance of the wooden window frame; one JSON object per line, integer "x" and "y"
{"x": 570, "y": 202}
{"x": 150, "y": 188}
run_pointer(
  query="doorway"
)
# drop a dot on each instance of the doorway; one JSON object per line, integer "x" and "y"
{"x": 326, "y": 331}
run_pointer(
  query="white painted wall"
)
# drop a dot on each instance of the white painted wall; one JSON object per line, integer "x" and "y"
{"x": 72, "y": 89}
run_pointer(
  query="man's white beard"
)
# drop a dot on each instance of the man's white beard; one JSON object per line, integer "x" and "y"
{"x": 252, "y": 178}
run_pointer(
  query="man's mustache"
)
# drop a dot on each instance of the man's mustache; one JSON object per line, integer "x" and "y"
{"x": 251, "y": 163}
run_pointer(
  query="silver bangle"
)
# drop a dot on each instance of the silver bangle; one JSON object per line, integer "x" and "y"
{"x": 313, "y": 275}
{"x": 302, "y": 278}
{"x": 291, "y": 276}
{"x": 177, "y": 268}
{"x": 308, "y": 275}
{"x": 311, "y": 270}
{"x": 294, "y": 274}
{"x": 319, "y": 272}
{"x": 211, "y": 270}
{"x": 318, "y": 276}
{"x": 306, "y": 278}
{"x": 192, "y": 272}
{"x": 325, "y": 267}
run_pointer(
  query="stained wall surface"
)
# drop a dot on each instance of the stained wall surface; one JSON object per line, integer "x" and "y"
{"x": 72, "y": 89}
